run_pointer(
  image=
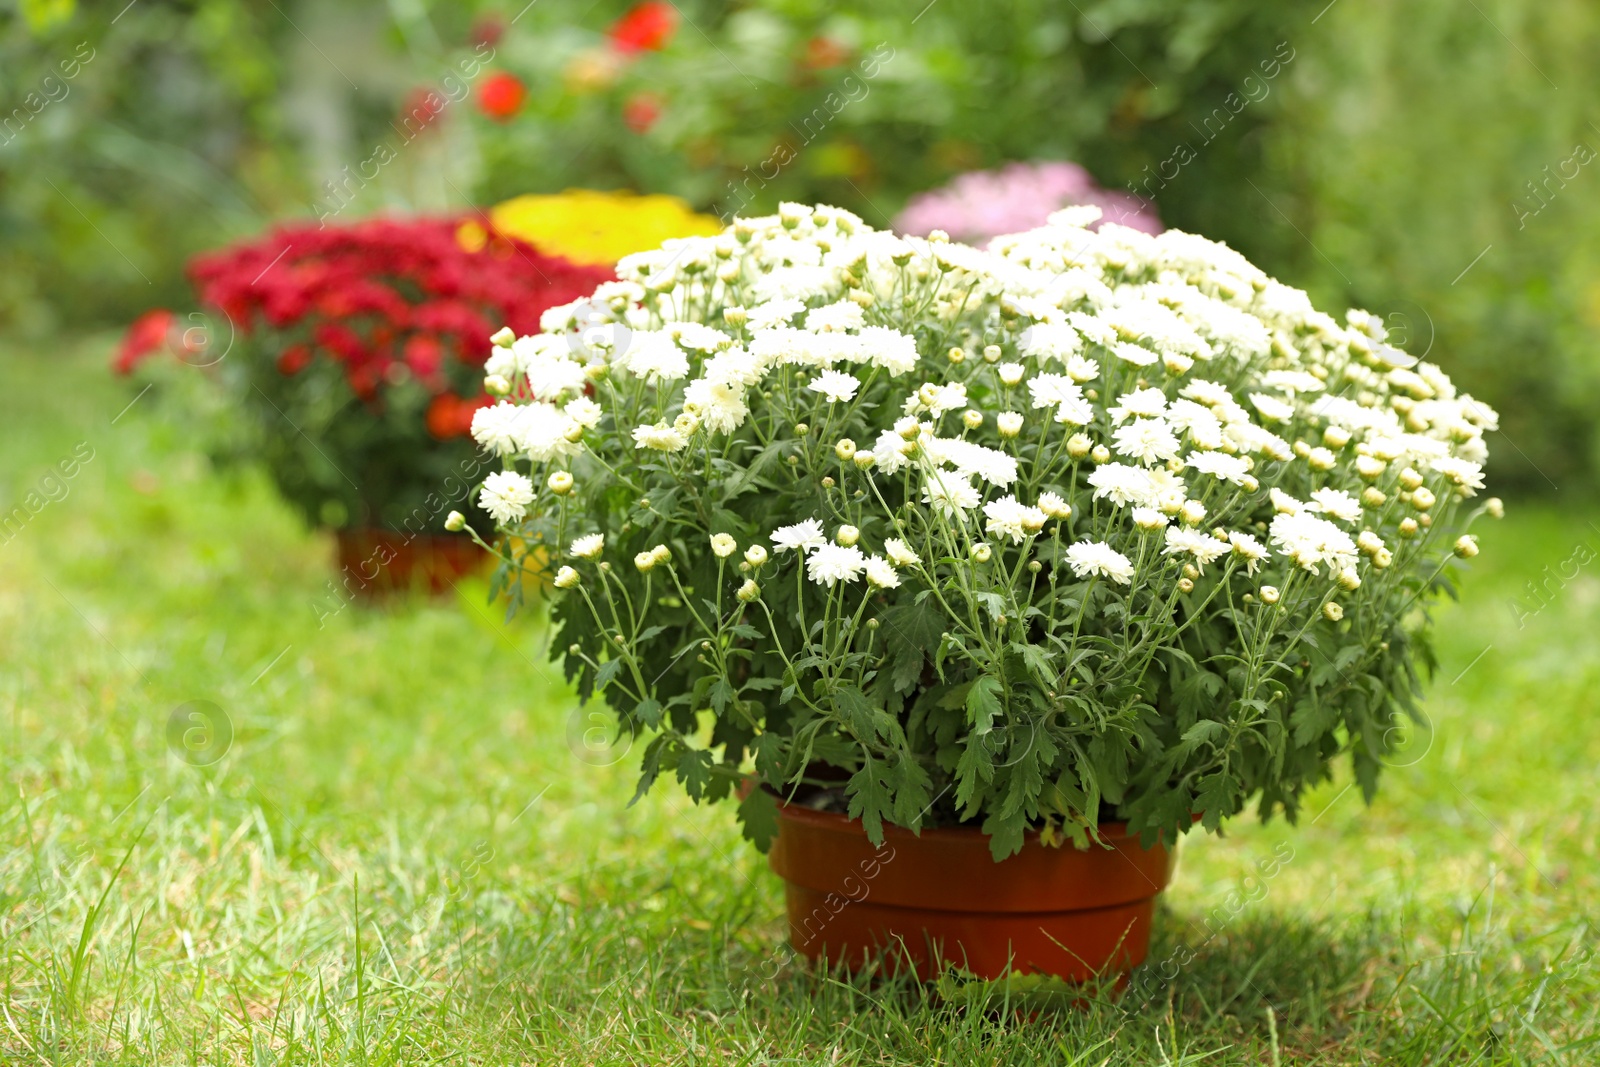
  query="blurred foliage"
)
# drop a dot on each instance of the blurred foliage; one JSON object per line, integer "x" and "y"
{"x": 1367, "y": 151}
{"x": 1417, "y": 136}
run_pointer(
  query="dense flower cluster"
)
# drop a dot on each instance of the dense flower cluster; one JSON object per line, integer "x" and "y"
{"x": 984, "y": 204}
{"x": 1092, "y": 524}
{"x": 348, "y": 361}
{"x": 388, "y": 300}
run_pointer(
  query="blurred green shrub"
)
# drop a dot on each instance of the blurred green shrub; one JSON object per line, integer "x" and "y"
{"x": 1419, "y": 134}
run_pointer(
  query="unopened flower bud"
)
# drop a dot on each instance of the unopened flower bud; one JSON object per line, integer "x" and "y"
{"x": 723, "y": 545}
{"x": 566, "y": 578}
{"x": 1185, "y": 585}
{"x": 661, "y": 553}
{"x": 645, "y": 561}
{"x": 1495, "y": 507}
{"x": 1373, "y": 497}
{"x": 560, "y": 482}
{"x": 1320, "y": 459}
{"x": 957, "y": 355}
{"x": 1099, "y": 453}
{"x": 1466, "y": 546}
{"x": 735, "y": 316}
{"x": 845, "y": 449}
{"x": 1349, "y": 580}
{"x": 1410, "y": 479}
{"x": 1009, "y": 423}
{"x": 1408, "y": 527}
{"x": 1193, "y": 512}
{"x": 496, "y": 385}
{"x": 504, "y": 337}
{"x": 1269, "y": 594}
{"x": 846, "y": 536}
{"x": 1422, "y": 499}
{"x": 1190, "y": 572}
{"x": 755, "y": 555}
{"x": 1332, "y": 611}
{"x": 972, "y": 418}
{"x": 1250, "y": 483}
{"x": 1382, "y": 558}
{"x": 1034, "y": 566}
{"x": 991, "y": 353}
{"x": 865, "y": 459}
{"x": 455, "y": 522}
{"x": 1370, "y": 467}
{"x": 1011, "y": 373}
{"x": 1335, "y": 437}
{"x": 749, "y": 590}
{"x": 801, "y": 429}
{"x": 981, "y": 552}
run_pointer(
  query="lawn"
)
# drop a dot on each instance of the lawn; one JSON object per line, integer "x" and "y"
{"x": 414, "y": 849}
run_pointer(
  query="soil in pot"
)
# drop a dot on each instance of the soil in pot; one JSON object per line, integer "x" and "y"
{"x": 938, "y": 901}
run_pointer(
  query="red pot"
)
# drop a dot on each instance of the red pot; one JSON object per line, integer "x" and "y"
{"x": 376, "y": 562}
{"x": 939, "y": 900}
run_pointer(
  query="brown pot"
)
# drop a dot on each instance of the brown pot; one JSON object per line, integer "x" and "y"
{"x": 377, "y": 562}
{"x": 939, "y": 900}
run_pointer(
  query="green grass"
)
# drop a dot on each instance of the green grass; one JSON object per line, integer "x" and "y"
{"x": 400, "y": 858}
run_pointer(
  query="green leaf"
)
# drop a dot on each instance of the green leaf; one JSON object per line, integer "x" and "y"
{"x": 870, "y": 798}
{"x": 758, "y": 819}
{"x": 648, "y": 712}
{"x": 694, "y": 771}
{"x": 983, "y": 704}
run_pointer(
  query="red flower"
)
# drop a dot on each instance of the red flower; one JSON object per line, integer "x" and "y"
{"x": 451, "y": 416}
{"x": 641, "y": 111}
{"x": 148, "y": 333}
{"x": 422, "y": 108}
{"x": 293, "y": 359}
{"x": 500, "y": 96}
{"x": 487, "y": 30}
{"x": 646, "y": 27}
{"x": 424, "y": 355}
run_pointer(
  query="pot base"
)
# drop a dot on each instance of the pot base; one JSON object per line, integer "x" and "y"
{"x": 932, "y": 902}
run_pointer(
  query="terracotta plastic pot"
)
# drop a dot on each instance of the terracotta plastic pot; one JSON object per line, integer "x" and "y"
{"x": 939, "y": 900}
{"x": 376, "y": 562}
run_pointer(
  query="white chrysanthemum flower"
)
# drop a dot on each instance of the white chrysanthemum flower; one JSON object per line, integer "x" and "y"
{"x": 890, "y": 349}
{"x": 654, "y": 356}
{"x": 1248, "y": 549}
{"x": 1136, "y": 354}
{"x": 1122, "y": 485}
{"x": 880, "y": 575}
{"x": 544, "y": 432}
{"x": 588, "y": 546}
{"x": 1141, "y": 403}
{"x": 496, "y": 428}
{"x": 900, "y": 553}
{"x": 1146, "y": 440}
{"x": 1047, "y": 341}
{"x": 723, "y": 545}
{"x": 829, "y": 564}
{"x": 835, "y": 318}
{"x": 1467, "y": 475}
{"x": 1283, "y": 503}
{"x": 801, "y": 537}
{"x": 550, "y": 377}
{"x": 1272, "y": 409}
{"x": 722, "y": 407}
{"x": 1310, "y": 541}
{"x": 506, "y": 496}
{"x": 584, "y": 412}
{"x": 1053, "y": 390}
{"x": 1098, "y": 558}
{"x": 1219, "y": 465}
{"x": 698, "y": 336}
{"x": 1149, "y": 518}
{"x": 1292, "y": 381}
{"x": 1010, "y": 374}
{"x": 1010, "y": 518}
{"x": 837, "y": 386}
{"x": 661, "y": 437}
{"x": 1082, "y": 369}
{"x": 1203, "y": 547}
{"x": 1338, "y": 503}
{"x": 949, "y": 492}
{"x": 1054, "y": 505}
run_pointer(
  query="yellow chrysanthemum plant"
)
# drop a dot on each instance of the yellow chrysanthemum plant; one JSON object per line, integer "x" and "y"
{"x": 1090, "y": 527}
{"x": 593, "y": 228}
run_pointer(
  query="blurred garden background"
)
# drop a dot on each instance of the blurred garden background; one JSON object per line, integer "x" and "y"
{"x": 358, "y": 880}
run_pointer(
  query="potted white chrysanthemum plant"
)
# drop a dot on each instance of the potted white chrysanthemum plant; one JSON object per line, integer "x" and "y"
{"x": 997, "y": 570}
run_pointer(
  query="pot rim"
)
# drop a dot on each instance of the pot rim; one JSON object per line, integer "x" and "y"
{"x": 833, "y": 820}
